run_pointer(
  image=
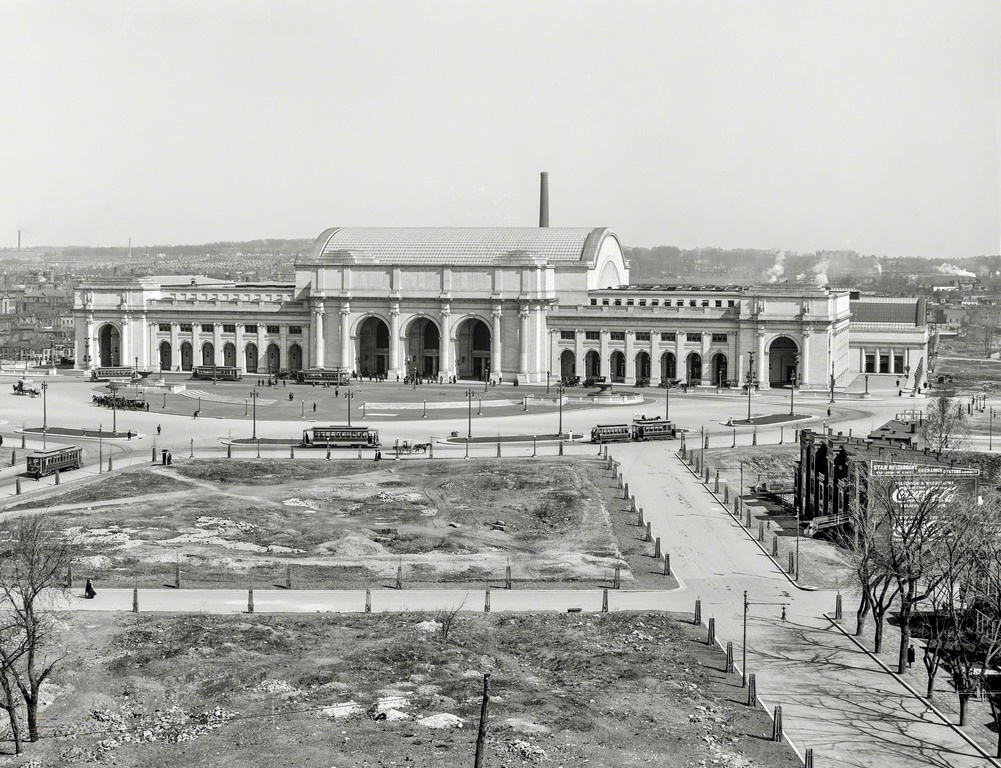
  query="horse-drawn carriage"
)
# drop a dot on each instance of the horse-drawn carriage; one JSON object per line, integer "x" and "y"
{"x": 405, "y": 446}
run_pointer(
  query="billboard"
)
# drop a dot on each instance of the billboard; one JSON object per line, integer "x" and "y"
{"x": 911, "y": 484}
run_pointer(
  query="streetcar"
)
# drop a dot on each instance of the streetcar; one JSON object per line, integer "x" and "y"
{"x": 611, "y": 433}
{"x": 116, "y": 373}
{"x": 340, "y": 437}
{"x": 41, "y": 463}
{"x": 332, "y": 376}
{"x": 217, "y": 372}
{"x": 640, "y": 430}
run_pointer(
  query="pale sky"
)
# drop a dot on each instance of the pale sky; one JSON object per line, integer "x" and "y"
{"x": 798, "y": 125}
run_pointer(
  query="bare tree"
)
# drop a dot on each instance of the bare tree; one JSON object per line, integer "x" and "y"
{"x": 942, "y": 428}
{"x": 33, "y": 559}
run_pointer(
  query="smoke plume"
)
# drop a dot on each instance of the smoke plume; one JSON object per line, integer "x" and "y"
{"x": 777, "y": 269}
{"x": 952, "y": 269}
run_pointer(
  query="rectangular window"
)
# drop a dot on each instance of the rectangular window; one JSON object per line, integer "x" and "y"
{"x": 618, "y": 335}
{"x": 655, "y": 302}
{"x": 568, "y": 335}
{"x": 592, "y": 335}
{"x": 668, "y": 336}
{"x": 667, "y": 302}
{"x": 719, "y": 302}
{"x": 594, "y": 302}
{"x": 705, "y": 302}
{"x": 731, "y": 303}
{"x": 164, "y": 327}
{"x": 186, "y": 327}
{"x": 629, "y": 302}
{"x": 642, "y": 302}
{"x": 208, "y": 328}
{"x": 719, "y": 338}
{"x": 273, "y": 329}
{"x": 693, "y": 338}
{"x": 229, "y": 329}
{"x": 691, "y": 303}
{"x": 898, "y": 363}
{"x": 884, "y": 363}
{"x": 618, "y": 302}
{"x": 295, "y": 330}
{"x": 250, "y": 328}
{"x": 604, "y": 302}
{"x": 642, "y": 335}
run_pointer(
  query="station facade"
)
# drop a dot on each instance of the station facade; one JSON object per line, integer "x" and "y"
{"x": 525, "y": 304}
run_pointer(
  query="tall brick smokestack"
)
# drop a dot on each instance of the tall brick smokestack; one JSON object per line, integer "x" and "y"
{"x": 544, "y": 200}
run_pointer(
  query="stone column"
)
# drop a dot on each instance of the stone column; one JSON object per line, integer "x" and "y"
{"x": 125, "y": 341}
{"x": 630, "y": 358}
{"x": 654, "y": 357}
{"x": 446, "y": 367}
{"x": 394, "y": 340}
{"x": 347, "y": 359}
{"x": 543, "y": 356}
{"x": 147, "y": 331}
{"x": 218, "y": 358}
{"x": 707, "y": 370}
{"x": 91, "y": 348}
{"x": 762, "y": 363}
{"x": 680, "y": 364}
{"x": 578, "y": 352}
{"x": 603, "y": 367}
{"x": 555, "y": 355}
{"x": 175, "y": 346}
{"x": 283, "y": 346}
{"x": 196, "y": 345}
{"x": 523, "y": 342}
{"x": 318, "y": 357}
{"x": 241, "y": 354}
{"x": 496, "y": 348}
{"x": 804, "y": 359}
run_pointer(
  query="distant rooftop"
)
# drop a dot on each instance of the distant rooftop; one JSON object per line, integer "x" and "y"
{"x": 875, "y": 309}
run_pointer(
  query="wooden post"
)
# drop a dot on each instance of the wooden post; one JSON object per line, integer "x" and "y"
{"x": 291, "y": 451}
{"x": 729, "y": 657}
{"x": 69, "y": 577}
{"x": 640, "y": 521}
{"x": 711, "y": 638}
{"x": 328, "y": 453}
{"x": 698, "y": 612}
{"x": 368, "y": 600}
{"x": 775, "y": 546}
{"x": 748, "y": 517}
{"x": 761, "y": 530}
{"x": 57, "y": 476}
{"x": 808, "y": 762}
{"x": 431, "y": 449}
{"x": 135, "y": 600}
{"x": 498, "y": 449}
{"x": 754, "y": 437}
{"x": 250, "y": 600}
{"x": 481, "y": 734}
{"x": 17, "y": 486}
{"x": 656, "y": 548}
{"x": 649, "y": 532}
{"x": 792, "y": 562}
{"x": 486, "y": 600}
{"x": 667, "y": 563}
{"x": 752, "y": 690}
{"x": 229, "y": 450}
{"x": 13, "y": 458}
{"x": 177, "y": 574}
{"x": 625, "y": 491}
{"x": 561, "y": 445}
{"x": 535, "y": 447}
{"x": 111, "y": 464}
{"x": 191, "y": 449}
{"x": 288, "y": 576}
{"x": 777, "y": 725}
{"x": 399, "y": 575}
{"x": 837, "y": 608}
{"x": 716, "y": 483}
{"x": 604, "y": 601}
{"x": 507, "y": 577}
{"x": 617, "y": 582}
{"x": 154, "y": 451}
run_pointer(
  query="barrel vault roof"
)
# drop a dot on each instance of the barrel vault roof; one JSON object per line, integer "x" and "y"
{"x": 458, "y": 245}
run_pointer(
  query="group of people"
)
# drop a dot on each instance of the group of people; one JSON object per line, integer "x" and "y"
{"x": 166, "y": 457}
{"x": 121, "y": 403}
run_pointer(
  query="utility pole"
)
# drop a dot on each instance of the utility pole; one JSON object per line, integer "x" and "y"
{"x": 750, "y": 381}
{"x": 481, "y": 734}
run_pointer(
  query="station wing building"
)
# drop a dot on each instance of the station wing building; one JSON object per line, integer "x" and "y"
{"x": 523, "y": 304}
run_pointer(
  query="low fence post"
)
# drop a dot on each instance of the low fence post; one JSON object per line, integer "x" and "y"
{"x": 368, "y": 600}
{"x": 792, "y": 562}
{"x": 697, "y": 620}
{"x": 507, "y": 577}
{"x": 111, "y": 464}
{"x": 604, "y": 601}
{"x": 777, "y": 724}
{"x": 729, "y": 657}
{"x": 711, "y": 638}
{"x": 69, "y": 577}
{"x": 191, "y": 448}
{"x": 617, "y": 580}
{"x": 625, "y": 490}
{"x": 667, "y": 563}
{"x": 656, "y": 548}
{"x": 808, "y": 761}
{"x": 752, "y": 690}
{"x": 649, "y": 532}
{"x": 486, "y": 600}
{"x": 399, "y": 576}
{"x": 135, "y": 600}
{"x": 58, "y": 473}
{"x": 17, "y": 486}
{"x": 288, "y": 576}
{"x": 639, "y": 520}
{"x": 837, "y": 608}
{"x": 775, "y": 545}
{"x": 250, "y": 600}
{"x": 761, "y": 530}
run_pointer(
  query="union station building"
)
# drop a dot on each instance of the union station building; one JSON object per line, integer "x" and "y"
{"x": 496, "y": 303}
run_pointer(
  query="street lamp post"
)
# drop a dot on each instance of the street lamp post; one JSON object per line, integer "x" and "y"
{"x": 45, "y": 411}
{"x": 547, "y": 382}
{"x": 559, "y": 397}
{"x": 867, "y": 384}
{"x": 795, "y": 380}
{"x": 254, "y": 394}
{"x": 100, "y": 448}
{"x": 750, "y": 381}
{"x": 347, "y": 396}
{"x": 469, "y": 417}
{"x": 990, "y": 430}
{"x": 114, "y": 407}
{"x": 832, "y": 382}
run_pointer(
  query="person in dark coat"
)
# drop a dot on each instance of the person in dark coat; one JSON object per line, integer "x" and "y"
{"x": 88, "y": 591}
{"x": 910, "y": 655}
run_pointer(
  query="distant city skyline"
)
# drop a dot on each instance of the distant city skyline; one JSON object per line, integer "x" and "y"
{"x": 799, "y": 126}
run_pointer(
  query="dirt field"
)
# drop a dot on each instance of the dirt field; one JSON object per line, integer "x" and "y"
{"x": 392, "y": 690}
{"x": 343, "y": 523}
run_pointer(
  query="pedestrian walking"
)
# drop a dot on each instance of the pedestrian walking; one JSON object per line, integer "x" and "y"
{"x": 157, "y": 429}
{"x": 88, "y": 590}
{"x": 910, "y": 656}
{"x": 783, "y": 613}
{"x": 828, "y": 411}
{"x": 170, "y": 458}
{"x": 314, "y": 407}
{"x": 129, "y": 434}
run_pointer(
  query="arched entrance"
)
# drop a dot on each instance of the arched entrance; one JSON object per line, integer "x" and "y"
{"x": 295, "y": 358}
{"x": 109, "y": 341}
{"x": 373, "y": 347}
{"x": 668, "y": 367}
{"x": 719, "y": 369}
{"x": 229, "y": 354}
{"x": 617, "y": 366}
{"x": 592, "y": 364}
{"x": 781, "y": 361}
{"x": 472, "y": 349}
{"x": 693, "y": 371}
{"x": 250, "y": 355}
{"x": 208, "y": 353}
{"x": 423, "y": 345}
{"x": 274, "y": 358}
{"x": 166, "y": 359}
{"x": 187, "y": 356}
{"x": 643, "y": 366}
{"x": 568, "y": 364}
